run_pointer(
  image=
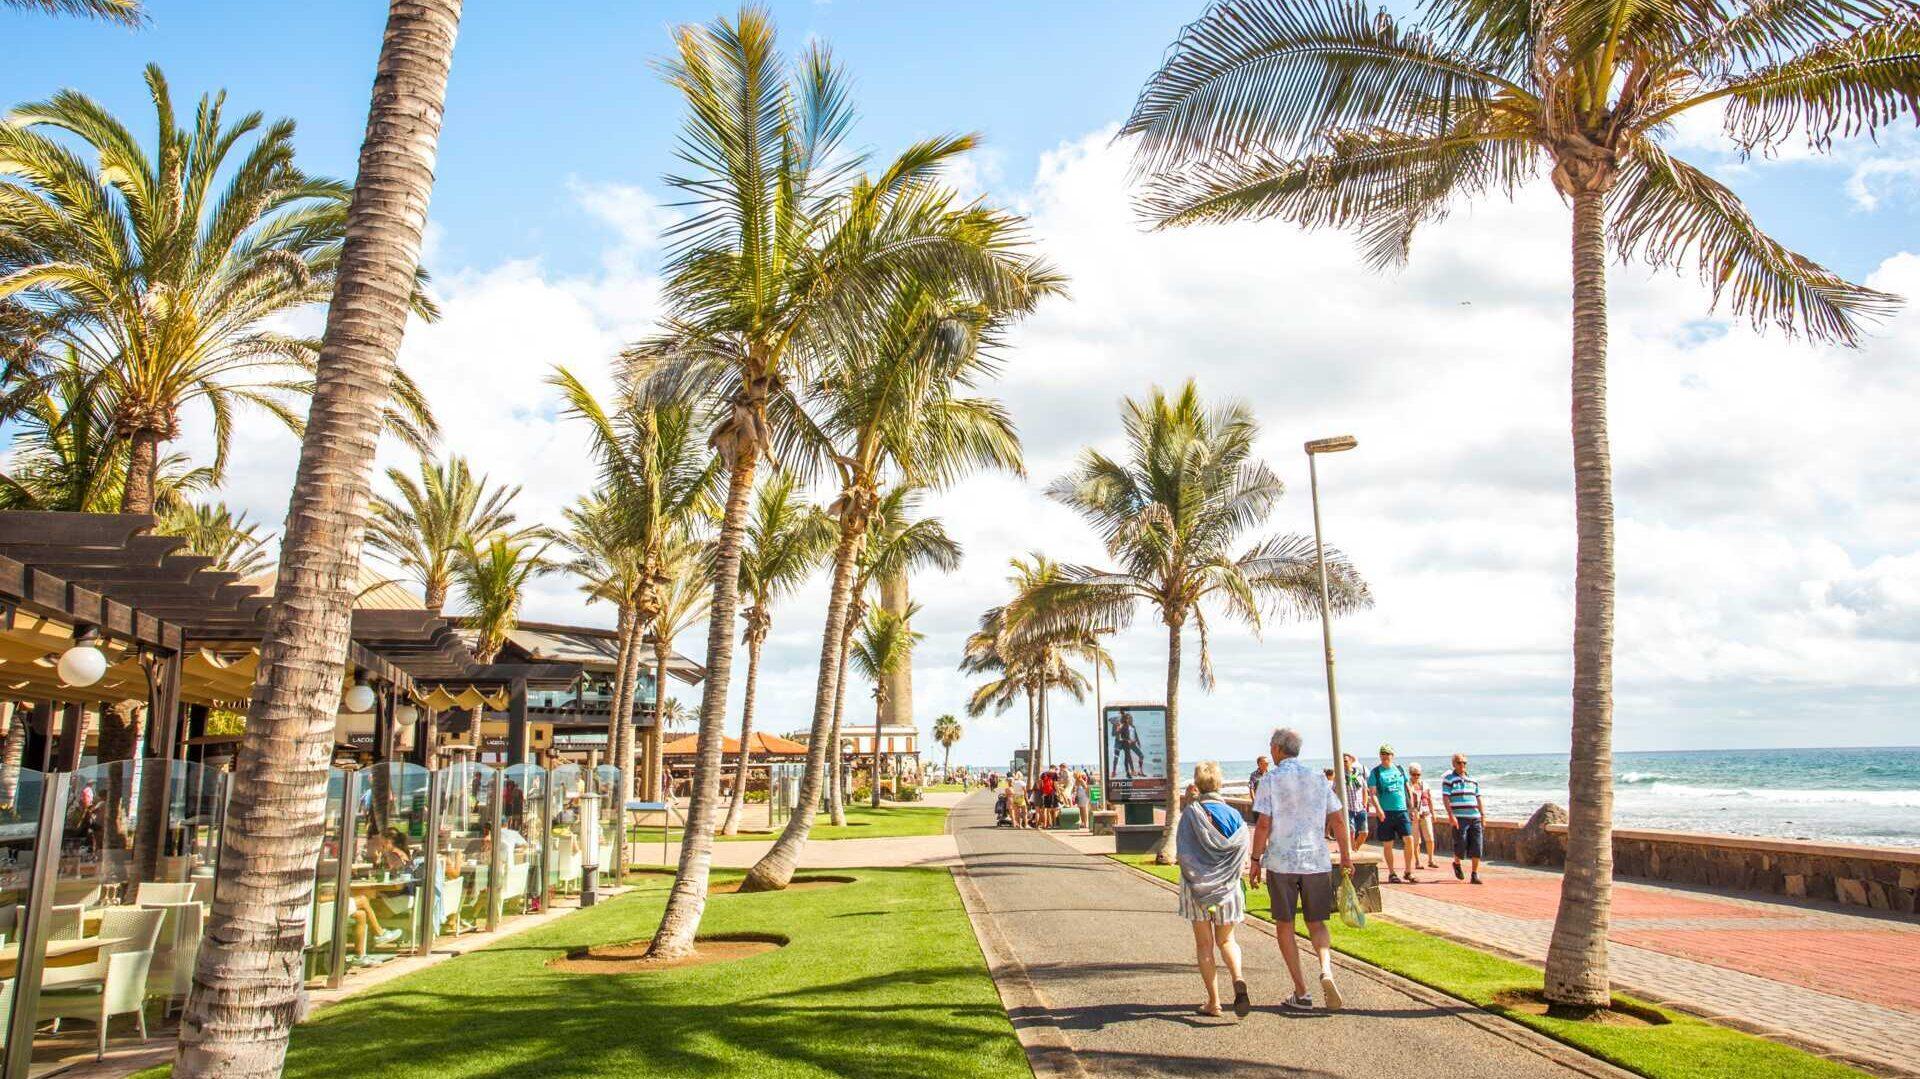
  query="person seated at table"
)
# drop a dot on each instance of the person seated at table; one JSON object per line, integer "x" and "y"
{"x": 381, "y": 853}
{"x": 510, "y": 839}
{"x": 452, "y": 863}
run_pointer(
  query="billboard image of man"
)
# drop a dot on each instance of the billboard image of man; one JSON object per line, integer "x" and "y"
{"x": 1127, "y": 758}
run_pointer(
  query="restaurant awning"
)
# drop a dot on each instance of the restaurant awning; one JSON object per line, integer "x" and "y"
{"x": 770, "y": 745}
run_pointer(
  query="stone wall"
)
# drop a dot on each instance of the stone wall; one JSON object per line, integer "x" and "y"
{"x": 1880, "y": 878}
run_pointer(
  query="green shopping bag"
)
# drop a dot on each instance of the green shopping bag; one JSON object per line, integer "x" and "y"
{"x": 1349, "y": 902}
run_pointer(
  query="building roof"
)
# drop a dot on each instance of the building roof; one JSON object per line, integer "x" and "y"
{"x": 764, "y": 744}
{"x": 594, "y": 648}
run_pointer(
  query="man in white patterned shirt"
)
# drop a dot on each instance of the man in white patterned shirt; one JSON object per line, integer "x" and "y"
{"x": 1297, "y": 810}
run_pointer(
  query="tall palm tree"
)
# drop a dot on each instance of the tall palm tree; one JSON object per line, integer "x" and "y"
{"x": 947, "y": 731}
{"x": 493, "y": 573}
{"x": 1326, "y": 113}
{"x": 609, "y": 568}
{"x": 1170, "y": 513}
{"x": 247, "y": 983}
{"x": 125, "y": 12}
{"x": 884, "y": 645}
{"x": 779, "y": 258}
{"x": 786, "y": 541}
{"x": 215, "y": 531}
{"x": 166, "y": 281}
{"x": 658, "y": 483}
{"x": 899, "y": 405}
{"x": 425, "y": 523}
{"x": 898, "y": 543}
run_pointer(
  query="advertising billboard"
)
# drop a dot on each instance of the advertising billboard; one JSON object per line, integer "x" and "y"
{"x": 1136, "y": 749}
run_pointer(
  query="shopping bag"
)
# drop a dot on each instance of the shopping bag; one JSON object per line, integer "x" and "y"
{"x": 1349, "y": 902}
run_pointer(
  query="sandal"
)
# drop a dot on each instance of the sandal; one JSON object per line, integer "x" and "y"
{"x": 1393, "y": 878}
{"x": 1241, "y": 1003}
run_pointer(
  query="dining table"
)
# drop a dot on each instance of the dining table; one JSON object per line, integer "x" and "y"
{"x": 65, "y": 952}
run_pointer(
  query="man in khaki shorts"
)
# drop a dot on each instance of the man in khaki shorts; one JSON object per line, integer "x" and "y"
{"x": 1297, "y": 810}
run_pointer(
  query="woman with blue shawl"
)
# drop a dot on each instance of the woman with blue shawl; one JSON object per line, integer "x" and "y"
{"x": 1213, "y": 844}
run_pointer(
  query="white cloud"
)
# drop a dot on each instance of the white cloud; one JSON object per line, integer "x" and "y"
{"x": 1764, "y": 488}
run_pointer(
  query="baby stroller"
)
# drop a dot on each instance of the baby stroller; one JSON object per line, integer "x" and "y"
{"x": 1000, "y": 817}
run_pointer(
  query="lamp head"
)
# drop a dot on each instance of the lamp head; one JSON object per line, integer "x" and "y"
{"x": 1336, "y": 444}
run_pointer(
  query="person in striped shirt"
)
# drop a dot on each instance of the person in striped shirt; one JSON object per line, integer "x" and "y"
{"x": 1467, "y": 814}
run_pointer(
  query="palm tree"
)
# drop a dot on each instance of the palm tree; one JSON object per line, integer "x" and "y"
{"x": 167, "y": 283}
{"x": 423, "y": 526}
{"x": 215, "y": 531}
{"x": 1326, "y": 113}
{"x": 786, "y": 541}
{"x": 657, "y": 482}
{"x": 884, "y": 645}
{"x": 609, "y": 569}
{"x": 125, "y": 12}
{"x": 247, "y": 985}
{"x": 1170, "y": 513}
{"x": 66, "y": 455}
{"x": 947, "y": 732}
{"x": 779, "y": 259}
{"x": 493, "y": 573}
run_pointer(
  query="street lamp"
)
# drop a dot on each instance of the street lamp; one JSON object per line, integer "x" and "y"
{"x": 1337, "y": 444}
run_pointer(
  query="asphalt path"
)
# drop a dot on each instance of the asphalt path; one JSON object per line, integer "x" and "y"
{"x": 1109, "y": 968}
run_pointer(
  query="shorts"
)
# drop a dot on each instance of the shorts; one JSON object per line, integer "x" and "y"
{"x": 1049, "y": 801}
{"x": 1357, "y": 824}
{"x": 1394, "y": 824}
{"x": 1469, "y": 839}
{"x": 1313, "y": 892}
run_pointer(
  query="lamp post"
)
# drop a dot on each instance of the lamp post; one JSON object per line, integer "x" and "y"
{"x": 1337, "y": 444}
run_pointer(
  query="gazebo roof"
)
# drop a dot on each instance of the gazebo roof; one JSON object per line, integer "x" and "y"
{"x": 771, "y": 745}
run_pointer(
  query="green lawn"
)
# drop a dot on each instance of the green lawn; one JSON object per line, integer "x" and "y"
{"x": 946, "y": 788}
{"x": 1682, "y": 1048}
{"x": 881, "y": 978}
{"x": 866, "y": 822}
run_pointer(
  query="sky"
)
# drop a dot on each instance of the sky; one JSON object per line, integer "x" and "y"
{"x": 1768, "y": 511}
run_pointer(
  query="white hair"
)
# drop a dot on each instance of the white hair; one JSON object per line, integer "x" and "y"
{"x": 1285, "y": 742}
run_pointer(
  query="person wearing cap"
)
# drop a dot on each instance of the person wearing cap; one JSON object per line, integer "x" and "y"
{"x": 1387, "y": 786}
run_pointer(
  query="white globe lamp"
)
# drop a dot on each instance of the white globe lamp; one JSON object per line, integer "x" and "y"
{"x": 359, "y": 698}
{"x": 82, "y": 665}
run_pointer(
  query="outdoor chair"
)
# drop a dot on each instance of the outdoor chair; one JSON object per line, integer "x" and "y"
{"x": 154, "y": 893}
{"x": 64, "y": 921}
{"x": 118, "y": 985}
{"x": 182, "y": 924}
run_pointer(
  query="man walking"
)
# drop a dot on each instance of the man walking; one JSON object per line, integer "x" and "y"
{"x": 1260, "y": 766}
{"x": 1467, "y": 813}
{"x": 1387, "y": 794}
{"x": 1297, "y": 811}
{"x": 1356, "y": 800}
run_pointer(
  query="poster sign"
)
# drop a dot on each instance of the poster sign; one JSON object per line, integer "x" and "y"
{"x": 1136, "y": 748}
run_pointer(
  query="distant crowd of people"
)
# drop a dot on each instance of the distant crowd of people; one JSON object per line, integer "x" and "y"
{"x": 1038, "y": 805}
{"x": 1297, "y": 814}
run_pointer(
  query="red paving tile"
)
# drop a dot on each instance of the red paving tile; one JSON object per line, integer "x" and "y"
{"x": 1538, "y": 898}
{"x": 1877, "y": 966}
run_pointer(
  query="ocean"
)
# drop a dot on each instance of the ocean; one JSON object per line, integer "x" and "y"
{"x": 1869, "y": 796}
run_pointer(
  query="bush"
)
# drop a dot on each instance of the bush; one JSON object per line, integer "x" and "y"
{"x": 755, "y": 797}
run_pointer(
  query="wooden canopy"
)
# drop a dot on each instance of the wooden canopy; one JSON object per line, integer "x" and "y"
{"x": 767, "y": 745}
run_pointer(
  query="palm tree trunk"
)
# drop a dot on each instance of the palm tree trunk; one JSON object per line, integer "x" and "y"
{"x": 1577, "y": 955}
{"x": 247, "y": 983}
{"x": 732, "y": 826}
{"x": 837, "y": 805}
{"x": 775, "y": 868}
{"x": 1033, "y": 737}
{"x": 688, "y": 899}
{"x": 879, "y": 717}
{"x": 14, "y": 753}
{"x": 435, "y": 594}
{"x": 143, "y": 462}
{"x": 1163, "y": 855}
{"x": 620, "y": 717}
{"x": 655, "y": 735}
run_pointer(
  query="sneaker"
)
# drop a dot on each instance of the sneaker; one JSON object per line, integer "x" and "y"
{"x": 1330, "y": 993}
{"x": 1457, "y": 873}
{"x": 389, "y": 936}
{"x": 1476, "y": 878}
{"x": 1301, "y": 1003}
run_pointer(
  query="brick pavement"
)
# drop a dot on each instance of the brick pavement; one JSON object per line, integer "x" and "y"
{"x": 1847, "y": 984}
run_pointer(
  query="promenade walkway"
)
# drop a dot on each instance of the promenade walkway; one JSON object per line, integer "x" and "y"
{"x": 1096, "y": 969}
{"x": 1842, "y": 983}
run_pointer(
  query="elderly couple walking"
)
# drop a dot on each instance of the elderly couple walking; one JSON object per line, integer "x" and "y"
{"x": 1297, "y": 810}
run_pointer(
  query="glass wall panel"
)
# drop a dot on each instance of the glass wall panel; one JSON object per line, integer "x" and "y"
{"x": 389, "y": 847}
{"x": 523, "y": 831}
{"x": 322, "y": 919}
{"x": 569, "y": 783}
{"x": 613, "y": 815}
{"x": 465, "y": 821}
{"x": 21, "y": 790}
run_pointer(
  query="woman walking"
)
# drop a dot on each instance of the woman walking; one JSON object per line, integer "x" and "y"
{"x": 1420, "y": 797}
{"x": 1212, "y": 846}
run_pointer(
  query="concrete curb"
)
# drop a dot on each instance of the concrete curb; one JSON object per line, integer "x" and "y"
{"x": 1559, "y": 1052}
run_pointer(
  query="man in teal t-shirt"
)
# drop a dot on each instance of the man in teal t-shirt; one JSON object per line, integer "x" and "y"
{"x": 1387, "y": 785}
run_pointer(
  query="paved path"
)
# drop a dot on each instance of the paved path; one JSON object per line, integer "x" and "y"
{"x": 1843, "y": 983}
{"x": 1110, "y": 986}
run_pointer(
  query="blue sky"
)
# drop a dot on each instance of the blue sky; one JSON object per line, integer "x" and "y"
{"x": 1770, "y": 575}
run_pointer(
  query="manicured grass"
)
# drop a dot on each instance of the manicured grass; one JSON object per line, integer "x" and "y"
{"x": 946, "y": 788}
{"x": 881, "y": 978}
{"x": 866, "y": 822}
{"x": 1682, "y": 1048}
